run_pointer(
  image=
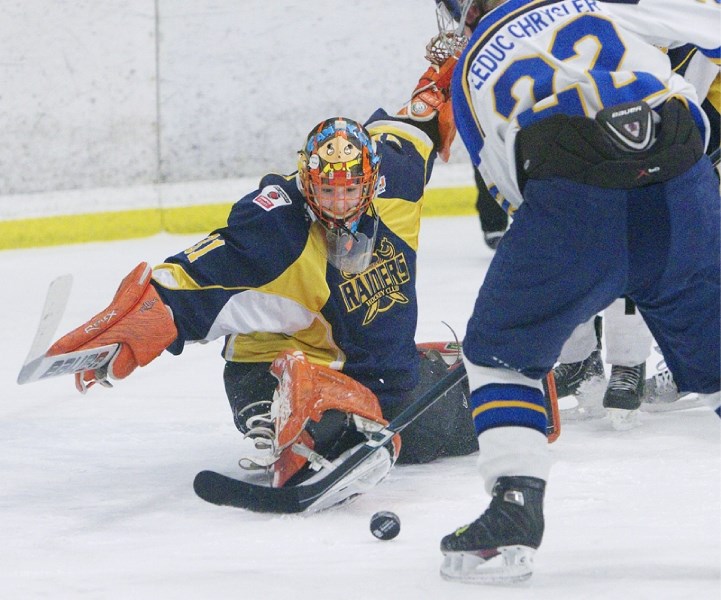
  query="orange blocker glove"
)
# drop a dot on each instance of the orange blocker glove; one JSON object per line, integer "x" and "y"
{"x": 136, "y": 319}
{"x": 432, "y": 96}
{"x": 319, "y": 416}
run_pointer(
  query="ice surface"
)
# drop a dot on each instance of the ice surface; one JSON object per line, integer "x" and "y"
{"x": 97, "y": 501}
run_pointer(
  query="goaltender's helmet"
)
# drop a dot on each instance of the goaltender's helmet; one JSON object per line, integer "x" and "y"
{"x": 338, "y": 170}
{"x": 475, "y": 9}
{"x": 463, "y": 13}
{"x": 453, "y": 7}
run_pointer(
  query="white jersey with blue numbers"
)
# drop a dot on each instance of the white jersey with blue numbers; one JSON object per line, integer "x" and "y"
{"x": 530, "y": 59}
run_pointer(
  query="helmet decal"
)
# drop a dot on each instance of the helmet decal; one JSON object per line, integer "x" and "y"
{"x": 338, "y": 170}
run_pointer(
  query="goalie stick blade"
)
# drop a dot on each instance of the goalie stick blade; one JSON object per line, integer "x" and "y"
{"x": 222, "y": 490}
{"x": 38, "y": 365}
{"x": 64, "y": 364}
{"x": 225, "y": 491}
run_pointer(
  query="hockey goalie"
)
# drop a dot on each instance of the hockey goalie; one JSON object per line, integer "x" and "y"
{"x": 316, "y": 419}
{"x": 311, "y": 284}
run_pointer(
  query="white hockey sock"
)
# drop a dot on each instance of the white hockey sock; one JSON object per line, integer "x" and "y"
{"x": 628, "y": 339}
{"x": 513, "y": 451}
{"x": 580, "y": 344}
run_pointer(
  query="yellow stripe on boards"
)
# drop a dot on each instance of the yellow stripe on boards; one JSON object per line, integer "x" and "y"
{"x": 196, "y": 219}
{"x": 128, "y": 224}
{"x": 450, "y": 202}
{"x": 71, "y": 229}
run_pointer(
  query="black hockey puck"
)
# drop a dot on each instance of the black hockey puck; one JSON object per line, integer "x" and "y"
{"x": 385, "y": 525}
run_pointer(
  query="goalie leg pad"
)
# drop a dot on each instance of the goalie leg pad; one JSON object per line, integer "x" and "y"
{"x": 446, "y": 427}
{"x": 318, "y": 413}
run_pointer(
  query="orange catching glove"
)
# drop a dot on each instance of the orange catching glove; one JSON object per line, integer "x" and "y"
{"x": 136, "y": 319}
{"x": 432, "y": 98}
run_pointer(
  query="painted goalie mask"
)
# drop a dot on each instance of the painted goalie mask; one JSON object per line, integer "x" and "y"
{"x": 338, "y": 172}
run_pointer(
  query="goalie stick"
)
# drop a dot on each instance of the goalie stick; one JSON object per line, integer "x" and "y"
{"x": 223, "y": 490}
{"x": 227, "y": 491}
{"x": 38, "y": 365}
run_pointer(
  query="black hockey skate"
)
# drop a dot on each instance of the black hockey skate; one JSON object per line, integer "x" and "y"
{"x": 625, "y": 387}
{"x": 585, "y": 380}
{"x": 498, "y": 547}
{"x": 624, "y": 394}
{"x": 570, "y": 376}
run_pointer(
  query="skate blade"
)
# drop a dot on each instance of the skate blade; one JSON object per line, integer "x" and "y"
{"x": 676, "y": 402}
{"x": 512, "y": 564}
{"x": 589, "y": 398}
{"x": 623, "y": 420}
{"x": 582, "y": 414}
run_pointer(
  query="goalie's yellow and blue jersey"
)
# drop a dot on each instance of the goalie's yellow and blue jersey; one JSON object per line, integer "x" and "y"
{"x": 530, "y": 59}
{"x": 263, "y": 281}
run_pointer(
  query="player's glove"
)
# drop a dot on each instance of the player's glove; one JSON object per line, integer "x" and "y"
{"x": 137, "y": 319}
{"x": 432, "y": 97}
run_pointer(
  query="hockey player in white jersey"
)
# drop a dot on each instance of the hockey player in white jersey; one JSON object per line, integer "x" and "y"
{"x": 627, "y": 340}
{"x": 573, "y": 115}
